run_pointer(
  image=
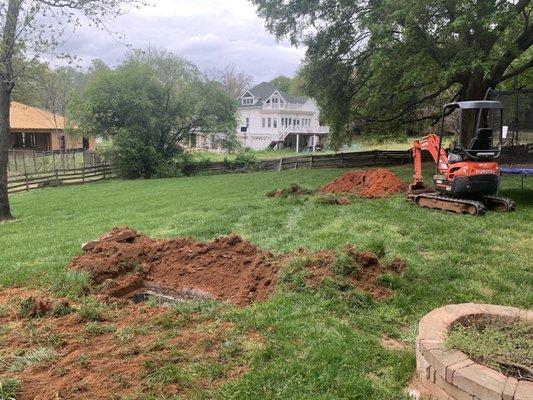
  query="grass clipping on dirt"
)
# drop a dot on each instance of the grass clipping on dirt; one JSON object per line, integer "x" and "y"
{"x": 506, "y": 347}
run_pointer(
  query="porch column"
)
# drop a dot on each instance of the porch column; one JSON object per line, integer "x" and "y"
{"x": 314, "y": 143}
{"x": 297, "y": 143}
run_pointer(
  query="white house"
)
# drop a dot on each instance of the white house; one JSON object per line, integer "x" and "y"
{"x": 271, "y": 118}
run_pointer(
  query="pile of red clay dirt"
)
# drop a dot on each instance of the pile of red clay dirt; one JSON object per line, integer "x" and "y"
{"x": 372, "y": 183}
{"x": 133, "y": 266}
{"x": 227, "y": 268}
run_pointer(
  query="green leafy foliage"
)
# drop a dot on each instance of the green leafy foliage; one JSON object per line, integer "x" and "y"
{"x": 282, "y": 82}
{"x": 386, "y": 67}
{"x": 149, "y": 105}
{"x": 245, "y": 160}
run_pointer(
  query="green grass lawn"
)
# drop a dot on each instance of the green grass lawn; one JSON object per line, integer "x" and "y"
{"x": 318, "y": 344}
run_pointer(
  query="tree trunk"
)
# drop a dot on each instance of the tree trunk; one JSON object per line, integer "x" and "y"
{"x": 5, "y": 211}
{"x": 474, "y": 90}
{"x": 7, "y": 83}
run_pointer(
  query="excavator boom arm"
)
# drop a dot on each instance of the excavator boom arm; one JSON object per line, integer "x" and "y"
{"x": 431, "y": 144}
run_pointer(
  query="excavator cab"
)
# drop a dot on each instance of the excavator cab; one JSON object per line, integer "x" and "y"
{"x": 480, "y": 120}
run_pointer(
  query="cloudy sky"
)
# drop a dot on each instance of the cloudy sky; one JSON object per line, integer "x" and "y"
{"x": 210, "y": 33}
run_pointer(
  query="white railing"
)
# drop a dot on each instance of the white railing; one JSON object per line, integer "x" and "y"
{"x": 286, "y": 131}
{"x": 285, "y": 106}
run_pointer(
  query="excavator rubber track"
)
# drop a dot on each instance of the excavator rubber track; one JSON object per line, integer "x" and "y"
{"x": 443, "y": 202}
{"x": 500, "y": 204}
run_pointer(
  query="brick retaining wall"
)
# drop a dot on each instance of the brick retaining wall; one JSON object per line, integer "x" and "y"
{"x": 451, "y": 374}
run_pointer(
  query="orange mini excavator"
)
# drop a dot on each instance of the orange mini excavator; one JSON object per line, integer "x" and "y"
{"x": 467, "y": 178}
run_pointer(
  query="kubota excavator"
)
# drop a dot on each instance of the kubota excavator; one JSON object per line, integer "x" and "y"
{"x": 467, "y": 178}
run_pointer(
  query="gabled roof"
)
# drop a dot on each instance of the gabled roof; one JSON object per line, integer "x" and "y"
{"x": 26, "y": 118}
{"x": 266, "y": 89}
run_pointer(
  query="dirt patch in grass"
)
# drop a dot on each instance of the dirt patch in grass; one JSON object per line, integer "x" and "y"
{"x": 292, "y": 190}
{"x": 391, "y": 344}
{"x": 134, "y": 352}
{"x": 499, "y": 344}
{"x": 359, "y": 269}
{"x": 228, "y": 268}
{"x": 372, "y": 183}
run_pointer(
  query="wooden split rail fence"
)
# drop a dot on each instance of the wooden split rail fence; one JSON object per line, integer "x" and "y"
{"x": 339, "y": 160}
{"x": 509, "y": 155}
{"x": 24, "y": 182}
{"x": 27, "y": 181}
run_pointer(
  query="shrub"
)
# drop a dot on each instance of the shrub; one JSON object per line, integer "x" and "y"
{"x": 185, "y": 163}
{"x": 246, "y": 160}
{"x": 134, "y": 156}
{"x": 167, "y": 169}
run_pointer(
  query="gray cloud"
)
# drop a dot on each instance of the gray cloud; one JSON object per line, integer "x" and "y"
{"x": 210, "y": 33}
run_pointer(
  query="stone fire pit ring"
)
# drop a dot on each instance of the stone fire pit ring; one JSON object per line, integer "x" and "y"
{"x": 451, "y": 374}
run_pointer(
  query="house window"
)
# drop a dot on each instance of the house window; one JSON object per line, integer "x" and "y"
{"x": 263, "y": 122}
{"x": 269, "y": 122}
{"x": 247, "y": 101}
{"x": 275, "y": 122}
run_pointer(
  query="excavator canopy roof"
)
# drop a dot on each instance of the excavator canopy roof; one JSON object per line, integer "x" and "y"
{"x": 470, "y": 105}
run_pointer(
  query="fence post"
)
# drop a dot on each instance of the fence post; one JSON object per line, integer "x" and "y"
{"x": 311, "y": 162}
{"x": 105, "y": 164}
{"x": 342, "y": 160}
{"x": 57, "y": 175}
{"x": 34, "y": 162}
{"x": 53, "y": 160}
{"x": 376, "y": 154}
{"x": 280, "y": 164}
{"x": 83, "y": 174}
{"x": 15, "y": 158}
{"x": 24, "y": 161}
{"x": 26, "y": 180}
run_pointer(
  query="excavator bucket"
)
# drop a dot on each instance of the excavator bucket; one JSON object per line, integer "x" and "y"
{"x": 418, "y": 187}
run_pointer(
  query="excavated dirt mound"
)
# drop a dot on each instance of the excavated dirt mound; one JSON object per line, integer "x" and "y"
{"x": 372, "y": 183}
{"x": 363, "y": 274}
{"x": 227, "y": 268}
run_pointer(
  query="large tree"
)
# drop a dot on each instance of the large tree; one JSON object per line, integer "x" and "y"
{"x": 388, "y": 65}
{"x": 29, "y": 29}
{"x": 282, "y": 82}
{"x": 150, "y": 105}
{"x": 233, "y": 82}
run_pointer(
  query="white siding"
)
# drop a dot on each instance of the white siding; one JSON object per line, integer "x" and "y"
{"x": 304, "y": 119}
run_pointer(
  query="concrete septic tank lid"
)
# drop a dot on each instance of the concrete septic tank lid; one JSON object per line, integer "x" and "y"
{"x": 449, "y": 374}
